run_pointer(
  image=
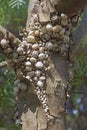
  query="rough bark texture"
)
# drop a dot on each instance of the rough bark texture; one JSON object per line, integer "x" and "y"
{"x": 56, "y": 93}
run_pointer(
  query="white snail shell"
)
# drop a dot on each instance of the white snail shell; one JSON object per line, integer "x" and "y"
{"x": 49, "y": 27}
{"x": 40, "y": 84}
{"x": 35, "y": 54}
{"x": 38, "y": 73}
{"x": 37, "y": 32}
{"x": 4, "y": 43}
{"x": 35, "y": 78}
{"x": 28, "y": 63}
{"x": 42, "y": 78}
{"x": 42, "y": 49}
{"x": 49, "y": 45}
{"x": 39, "y": 65}
{"x": 35, "y": 46}
{"x": 33, "y": 60}
{"x": 42, "y": 56}
{"x": 31, "y": 39}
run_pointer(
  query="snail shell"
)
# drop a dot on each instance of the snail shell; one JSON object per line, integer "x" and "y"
{"x": 15, "y": 60}
{"x": 57, "y": 28}
{"x": 49, "y": 45}
{"x": 64, "y": 16}
{"x": 4, "y": 43}
{"x": 64, "y": 22}
{"x": 31, "y": 39}
{"x": 21, "y": 58}
{"x": 42, "y": 49}
{"x": 38, "y": 73}
{"x": 28, "y": 63}
{"x": 30, "y": 74}
{"x": 35, "y": 54}
{"x": 42, "y": 56}
{"x": 49, "y": 27}
{"x": 8, "y": 50}
{"x": 40, "y": 84}
{"x": 20, "y": 50}
{"x": 42, "y": 78}
{"x": 31, "y": 33}
{"x": 39, "y": 65}
{"x": 37, "y": 33}
{"x": 35, "y": 46}
{"x": 28, "y": 77}
{"x": 33, "y": 60}
{"x": 27, "y": 68}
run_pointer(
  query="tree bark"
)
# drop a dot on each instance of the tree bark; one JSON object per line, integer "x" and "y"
{"x": 55, "y": 92}
{"x": 36, "y": 120}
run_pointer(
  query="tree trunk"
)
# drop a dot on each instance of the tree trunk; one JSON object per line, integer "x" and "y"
{"x": 35, "y": 118}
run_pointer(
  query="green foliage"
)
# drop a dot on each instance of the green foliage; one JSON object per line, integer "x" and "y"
{"x": 80, "y": 66}
{"x": 4, "y": 11}
{"x": 13, "y": 15}
{"x": 79, "y": 82}
{"x": 13, "y": 18}
{"x": 6, "y": 88}
{"x": 80, "y": 71}
{"x": 7, "y": 78}
{"x": 16, "y": 3}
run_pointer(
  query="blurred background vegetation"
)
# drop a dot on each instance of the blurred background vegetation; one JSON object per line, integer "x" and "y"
{"x": 13, "y": 14}
{"x": 77, "y": 103}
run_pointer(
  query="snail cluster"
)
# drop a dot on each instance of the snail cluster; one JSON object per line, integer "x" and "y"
{"x": 30, "y": 58}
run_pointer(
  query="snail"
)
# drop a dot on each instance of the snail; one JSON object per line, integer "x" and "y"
{"x": 4, "y": 43}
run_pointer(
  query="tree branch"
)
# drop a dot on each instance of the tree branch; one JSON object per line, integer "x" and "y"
{"x": 6, "y": 34}
{"x": 71, "y": 7}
